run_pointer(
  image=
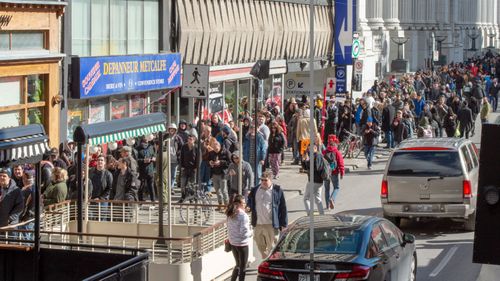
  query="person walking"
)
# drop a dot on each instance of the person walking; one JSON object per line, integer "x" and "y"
{"x": 485, "y": 111}
{"x": 314, "y": 190}
{"x": 370, "y": 140}
{"x": 189, "y": 164}
{"x": 334, "y": 158}
{"x": 399, "y": 129}
{"x": 254, "y": 142}
{"x": 466, "y": 120}
{"x": 269, "y": 213}
{"x": 218, "y": 160}
{"x": 493, "y": 94}
{"x": 277, "y": 143}
{"x": 233, "y": 172}
{"x": 239, "y": 234}
{"x": 450, "y": 123}
{"x": 176, "y": 144}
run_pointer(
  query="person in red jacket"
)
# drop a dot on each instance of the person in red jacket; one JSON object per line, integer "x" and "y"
{"x": 336, "y": 161}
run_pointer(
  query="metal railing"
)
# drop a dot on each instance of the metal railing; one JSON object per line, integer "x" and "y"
{"x": 177, "y": 250}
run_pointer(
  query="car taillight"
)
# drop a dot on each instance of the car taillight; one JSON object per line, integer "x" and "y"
{"x": 467, "y": 189}
{"x": 384, "y": 190}
{"x": 266, "y": 272}
{"x": 358, "y": 273}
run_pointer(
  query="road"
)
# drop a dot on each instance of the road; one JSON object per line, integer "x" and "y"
{"x": 444, "y": 250}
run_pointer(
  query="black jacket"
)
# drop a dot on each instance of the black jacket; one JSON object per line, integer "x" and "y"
{"x": 230, "y": 143}
{"x": 276, "y": 143}
{"x": 223, "y": 157}
{"x": 318, "y": 167}
{"x": 131, "y": 185}
{"x": 102, "y": 182}
{"x": 148, "y": 152}
{"x": 189, "y": 157}
{"x": 464, "y": 116}
{"x": 371, "y": 138}
{"x": 388, "y": 115}
{"x": 11, "y": 204}
{"x": 279, "y": 211}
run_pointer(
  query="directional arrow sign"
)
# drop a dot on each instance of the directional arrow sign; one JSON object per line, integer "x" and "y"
{"x": 345, "y": 25}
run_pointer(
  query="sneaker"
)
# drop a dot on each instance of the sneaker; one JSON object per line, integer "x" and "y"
{"x": 369, "y": 167}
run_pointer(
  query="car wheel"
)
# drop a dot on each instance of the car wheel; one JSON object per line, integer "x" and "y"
{"x": 413, "y": 268}
{"x": 470, "y": 223}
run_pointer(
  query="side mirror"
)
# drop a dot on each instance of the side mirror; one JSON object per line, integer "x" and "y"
{"x": 408, "y": 239}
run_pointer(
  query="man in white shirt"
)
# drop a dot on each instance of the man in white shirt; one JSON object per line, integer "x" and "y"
{"x": 269, "y": 213}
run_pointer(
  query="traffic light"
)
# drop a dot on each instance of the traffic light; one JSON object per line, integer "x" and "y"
{"x": 487, "y": 235}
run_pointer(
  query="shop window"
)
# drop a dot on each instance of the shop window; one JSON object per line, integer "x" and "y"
{"x": 119, "y": 107}
{"x": 77, "y": 115}
{"x": 244, "y": 102}
{"x": 99, "y": 111}
{"x": 230, "y": 97}
{"x": 22, "y": 41}
{"x": 137, "y": 103}
{"x": 22, "y": 100}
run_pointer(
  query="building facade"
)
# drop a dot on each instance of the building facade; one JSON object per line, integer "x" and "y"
{"x": 458, "y": 28}
{"x": 30, "y": 64}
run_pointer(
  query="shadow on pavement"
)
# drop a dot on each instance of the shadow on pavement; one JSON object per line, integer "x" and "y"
{"x": 430, "y": 228}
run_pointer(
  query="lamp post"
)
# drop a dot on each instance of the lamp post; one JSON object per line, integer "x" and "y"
{"x": 473, "y": 37}
{"x": 440, "y": 39}
{"x": 492, "y": 37}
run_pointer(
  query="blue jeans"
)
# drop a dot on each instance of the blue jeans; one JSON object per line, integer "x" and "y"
{"x": 494, "y": 102}
{"x": 389, "y": 137}
{"x": 205, "y": 176}
{"x": 369, "y": 153}
{"x": 258, "y": 173}
{"x": 27, "y": 235}
{"x": 336, "y": 187}
{"x": 296, "y": 150}
{"x": 173, "y": 173}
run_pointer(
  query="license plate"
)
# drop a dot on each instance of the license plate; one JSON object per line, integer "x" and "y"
{"x": 424, "y": 208}
{"x": 307, "y": 277}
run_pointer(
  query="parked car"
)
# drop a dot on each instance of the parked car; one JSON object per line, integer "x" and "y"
{"x": 346, "y": 247}
{"x": 434, "y": 178}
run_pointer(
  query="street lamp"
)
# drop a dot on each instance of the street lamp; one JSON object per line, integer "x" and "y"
{"x": 440, "y": 39}
{"x": 491, "y": 36}
{"x": 473, "y": 37}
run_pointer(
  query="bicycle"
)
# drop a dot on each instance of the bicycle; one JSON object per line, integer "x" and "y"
{"x": 351, "y": 146}
{"x": 195, "y": 194}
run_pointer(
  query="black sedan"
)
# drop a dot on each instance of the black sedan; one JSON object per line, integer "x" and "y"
{"x": 346, "y": 247}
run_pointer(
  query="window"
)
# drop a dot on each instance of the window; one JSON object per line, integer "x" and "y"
{"x": 115, "y": 27}
{"x": 77, "y": 115}
{"x": 392, "y": 235}
{"x": 327, "y": 240}
{"x": 472, "y": 152}
{"x": 119, "y": 107}
{"x": 425, "y": 163}
{"x": 23, "y": 100}
{"x": 467, "y": 158}
{"x": 99, "y": 111}
{"x": 137, "y": 104}
{"x": 378, "y": 238}
{"x": 22, "y": 41}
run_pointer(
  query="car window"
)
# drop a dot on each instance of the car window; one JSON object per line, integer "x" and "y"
{"x": 474, "y": 155}
{"x": 467, "y": 158}
{"x": 327, "y": 240}
{"x": 378, "y": 238}
{"x": 372, "y": 250}
{"x": 392, "y": 235}
{"x": 425, "y": 163}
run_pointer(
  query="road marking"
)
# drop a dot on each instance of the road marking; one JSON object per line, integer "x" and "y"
{"x": 444, "y": 261}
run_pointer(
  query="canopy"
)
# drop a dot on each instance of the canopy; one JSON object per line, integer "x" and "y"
{"x": 24, "y": 144}
{"x": 120, "y": 129}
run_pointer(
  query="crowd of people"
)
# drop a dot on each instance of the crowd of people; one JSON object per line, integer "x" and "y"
{"x": 445, "y": 102}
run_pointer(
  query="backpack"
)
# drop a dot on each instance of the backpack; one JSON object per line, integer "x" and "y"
{"x": 331, "y": 158}
{"x": 322, "y": 167}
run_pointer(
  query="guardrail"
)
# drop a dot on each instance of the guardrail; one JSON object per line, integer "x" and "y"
{"x": 177, "y": 250}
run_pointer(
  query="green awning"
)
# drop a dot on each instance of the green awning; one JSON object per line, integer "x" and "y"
{"x": 127, "y": 134}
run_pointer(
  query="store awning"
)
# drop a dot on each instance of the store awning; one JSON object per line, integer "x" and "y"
{"x": 24, "y": 144}
{"x": 120, "y": 129}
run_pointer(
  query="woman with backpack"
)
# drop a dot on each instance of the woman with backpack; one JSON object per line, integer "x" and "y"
{"x": 334, "y": 158}
{"x": 277, "y": 143}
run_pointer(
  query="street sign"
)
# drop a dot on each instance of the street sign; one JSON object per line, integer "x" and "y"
{"x": 195, "y": 81}
{"x": 356, "y": 48}
{"x": 345, "y": 25}
{"x": 340, "y": 75}
{"x": 358, "y": 67}
{"x": 330, "y": 85}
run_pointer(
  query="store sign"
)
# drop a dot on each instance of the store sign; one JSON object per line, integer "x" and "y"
{"x": 104, "y": 76}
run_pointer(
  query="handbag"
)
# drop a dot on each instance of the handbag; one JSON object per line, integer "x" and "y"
{"x": 457, "y": 130}
{"x": 227, "y": 246}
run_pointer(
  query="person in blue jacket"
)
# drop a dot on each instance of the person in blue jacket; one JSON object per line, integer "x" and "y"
{"x": 249, "y": 149}
{"x": 269, "y": 213}
{"x": 419, "y": 104}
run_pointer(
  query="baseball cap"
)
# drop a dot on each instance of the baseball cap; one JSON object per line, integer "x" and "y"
{"x": 54, "y": 151}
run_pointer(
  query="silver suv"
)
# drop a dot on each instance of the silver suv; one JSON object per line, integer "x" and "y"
{"x": 434, "y": 178}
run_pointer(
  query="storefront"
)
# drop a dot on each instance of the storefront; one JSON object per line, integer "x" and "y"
{"x": 231, "y": 89}
{"x": 116, "y": 87}
{"x": 29, "y": 65}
